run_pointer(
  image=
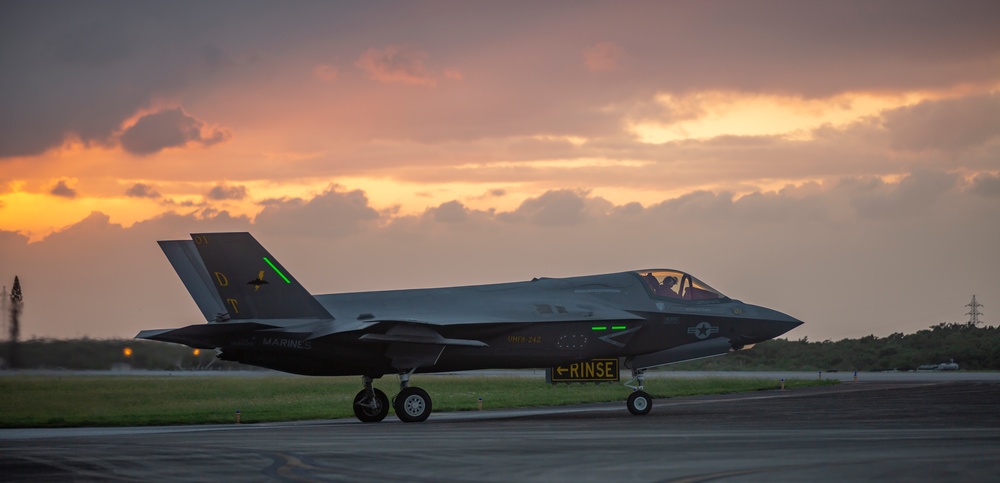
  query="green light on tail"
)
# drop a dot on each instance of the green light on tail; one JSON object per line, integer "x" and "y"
{"x": 283, "y": 277}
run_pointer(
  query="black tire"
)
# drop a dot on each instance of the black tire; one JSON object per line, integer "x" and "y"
{"x": 366, "y": 412}
{"x": 639, "y": 403}
{"x": 412, "y": 405}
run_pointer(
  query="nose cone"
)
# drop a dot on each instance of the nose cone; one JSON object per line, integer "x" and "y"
{"x": 772, "y": 323}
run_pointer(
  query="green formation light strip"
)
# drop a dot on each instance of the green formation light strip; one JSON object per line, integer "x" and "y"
{"x": 604, "y": 327}
{"x": 283, "y": 277}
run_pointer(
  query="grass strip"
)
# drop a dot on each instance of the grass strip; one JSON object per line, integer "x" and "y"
{"x": 69, "y": 401}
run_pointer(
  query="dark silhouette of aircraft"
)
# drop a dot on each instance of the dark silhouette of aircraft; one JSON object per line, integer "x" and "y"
{"x": 645, "y": 318}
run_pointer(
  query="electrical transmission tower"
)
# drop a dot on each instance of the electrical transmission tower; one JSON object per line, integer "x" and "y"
{"x": 974, "y": 313}
{"x": 4, "y": 315}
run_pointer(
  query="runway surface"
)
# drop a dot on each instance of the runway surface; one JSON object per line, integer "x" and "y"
{"x": 900, "y": 431}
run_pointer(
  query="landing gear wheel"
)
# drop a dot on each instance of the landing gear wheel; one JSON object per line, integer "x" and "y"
{"x": 639, "y": 403}
{"x": 371, "y": 410}
{"x": 412, "y": 405}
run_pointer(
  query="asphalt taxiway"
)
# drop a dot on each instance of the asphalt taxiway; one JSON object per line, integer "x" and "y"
{"x": 924, "y": 431}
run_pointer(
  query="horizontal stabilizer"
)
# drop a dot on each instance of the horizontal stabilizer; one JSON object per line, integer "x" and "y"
{"x": 203, "y": 336}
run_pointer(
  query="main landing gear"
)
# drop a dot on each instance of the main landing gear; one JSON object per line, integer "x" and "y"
{"x": 370, "y": 405}
{"x": 412, "y": 404}
{"x": 639, "y": 402}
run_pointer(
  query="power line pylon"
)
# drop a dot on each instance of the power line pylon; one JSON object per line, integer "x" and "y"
{"x": 974, "y": 313}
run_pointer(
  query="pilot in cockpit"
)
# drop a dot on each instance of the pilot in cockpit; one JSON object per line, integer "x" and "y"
{"x": 667, "y": 288}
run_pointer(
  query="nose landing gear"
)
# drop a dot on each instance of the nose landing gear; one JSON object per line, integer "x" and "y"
{"x": 639, "y": 403}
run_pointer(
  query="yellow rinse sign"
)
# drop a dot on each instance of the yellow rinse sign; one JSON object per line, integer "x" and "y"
{"x": 594, "y": 370}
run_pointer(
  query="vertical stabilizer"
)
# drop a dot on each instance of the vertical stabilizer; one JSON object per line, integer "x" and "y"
{"x": 251, "y": 283}
{"x": 187, "y": 263}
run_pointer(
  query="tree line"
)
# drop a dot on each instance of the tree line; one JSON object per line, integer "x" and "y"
{"x": 973, "y": 348}
{"x": 122, "y": 354}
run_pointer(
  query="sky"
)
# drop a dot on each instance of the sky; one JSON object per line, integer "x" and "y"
{"x": 837, "y": 161}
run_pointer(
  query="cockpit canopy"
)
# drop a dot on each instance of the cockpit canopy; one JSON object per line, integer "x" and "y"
{"x": 673, "y": 284}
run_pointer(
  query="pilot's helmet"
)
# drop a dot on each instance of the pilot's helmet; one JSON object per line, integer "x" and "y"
{"x": 670, "y": 281}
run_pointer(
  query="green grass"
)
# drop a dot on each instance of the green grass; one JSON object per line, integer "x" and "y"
{"x": 55, "y": 401}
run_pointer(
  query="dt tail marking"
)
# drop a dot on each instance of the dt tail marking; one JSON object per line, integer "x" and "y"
{"x": 235, "y": 303}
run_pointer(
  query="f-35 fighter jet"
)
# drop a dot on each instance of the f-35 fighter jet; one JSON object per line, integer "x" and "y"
{"x": 258, "y": 314}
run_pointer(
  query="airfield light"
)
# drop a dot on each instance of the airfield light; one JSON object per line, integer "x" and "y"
{"x": 197, "y": 351}
{"x": 127, "y": 351}
{"x": 283, "y": 277}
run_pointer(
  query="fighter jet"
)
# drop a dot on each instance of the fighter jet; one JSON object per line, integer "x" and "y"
{"x": 258, "y": 314}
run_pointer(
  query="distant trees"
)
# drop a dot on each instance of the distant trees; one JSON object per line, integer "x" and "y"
{"x": 105, "y": 354}
{"x": 973, "y": 348}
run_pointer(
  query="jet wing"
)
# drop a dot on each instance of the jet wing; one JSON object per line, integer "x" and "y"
{"x": 421, "y": 337}
{"x": 412, "y": 346}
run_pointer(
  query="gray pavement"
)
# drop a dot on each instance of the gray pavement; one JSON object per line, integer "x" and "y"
{"x": 866, "y": 431}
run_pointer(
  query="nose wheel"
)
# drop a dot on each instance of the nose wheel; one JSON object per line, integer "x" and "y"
{"x": 639, "y": 403}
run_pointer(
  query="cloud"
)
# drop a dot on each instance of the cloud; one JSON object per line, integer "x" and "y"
{"x": 553, "y": 208}
{"x": 987, "y": 185}
{"x": 449, "y": 212}
{"x": 950, "y": 125}
{"x": 334, "y": 212}
{"x": 169, "y": 128}
{"x": 142, "y": 190}
{"x": 528, "y": 118}
{"x": 118, "y": 261}
{"x": 396, "y": 64}
{"x": 223, "y": 192}
{"x": 62, "y": 190}
{"x": 90, "y": 68}
{"x": 762, "y": 248}
{"x": 603, "y": 56}
{"x": 913, "y": 195}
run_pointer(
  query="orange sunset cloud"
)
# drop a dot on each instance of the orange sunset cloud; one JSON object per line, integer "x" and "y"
{"x": 825, "y": 160}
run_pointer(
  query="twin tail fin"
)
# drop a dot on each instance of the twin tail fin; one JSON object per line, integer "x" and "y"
{"x": 231, "y": 276}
